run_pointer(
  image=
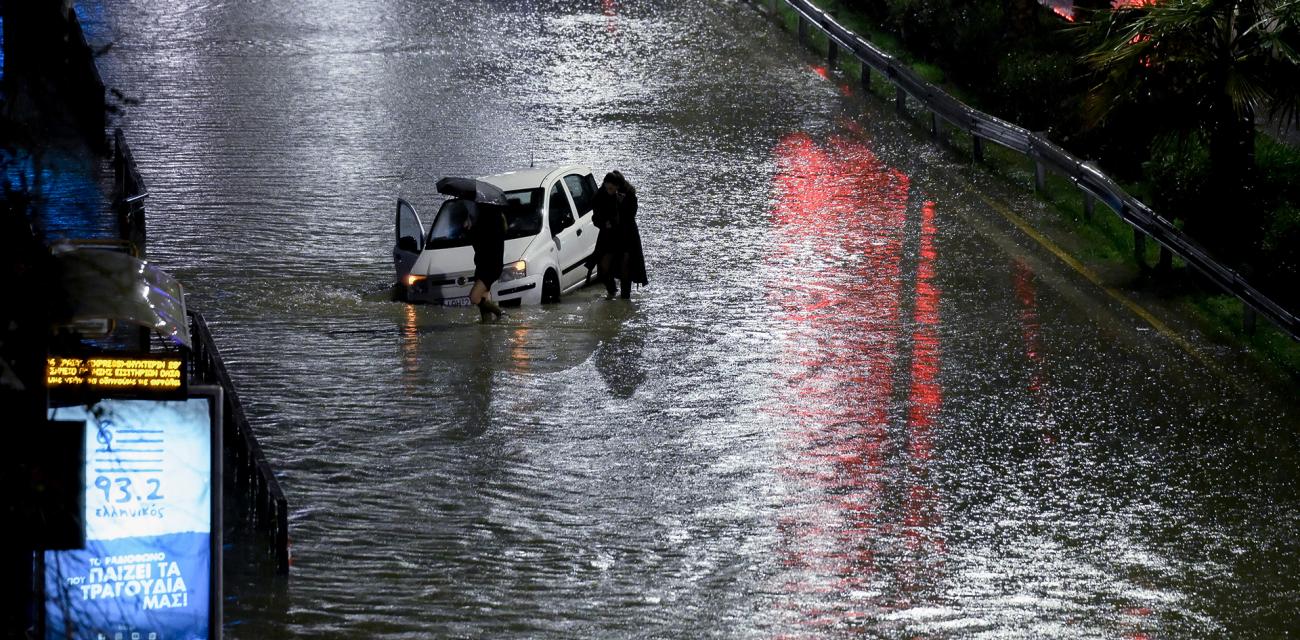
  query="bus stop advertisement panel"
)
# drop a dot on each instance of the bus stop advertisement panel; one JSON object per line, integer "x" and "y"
{"x": 151, "y": 567}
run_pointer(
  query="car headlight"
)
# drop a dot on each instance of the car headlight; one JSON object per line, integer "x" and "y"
{"x": 412, "y": 278}
{"x": 514, "y": 271}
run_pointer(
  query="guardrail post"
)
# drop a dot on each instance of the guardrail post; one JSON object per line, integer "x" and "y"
{"x": 1166, "y": 263}
{"x": 934, "y": 126}
{"x": 832, "y": 53}
{"x": 803, "y": 31}
{"x": 900, "y": 101}
{"x": 1088, "y": 203}
{"x": 772, "y": 7}
{"x": 1249, "y": 319}
{"x": 977, "y": 147}
{"x": 282, "y": 556}
{"x": 1040, "y": 176}
{"x": 866, "y": 77}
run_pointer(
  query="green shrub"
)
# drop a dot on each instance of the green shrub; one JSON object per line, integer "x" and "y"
{"x": 1036, "y": 89}
{"x": 1278, "y": 164}
{"x": 1280, "y": 256}
{"x": 961, "y": 36}
{"x": 929, "y": 71}
{"x": 1177, "y": 172}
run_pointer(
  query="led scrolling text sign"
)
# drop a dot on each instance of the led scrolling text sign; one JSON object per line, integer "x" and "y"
{"x": 103, "y": 374}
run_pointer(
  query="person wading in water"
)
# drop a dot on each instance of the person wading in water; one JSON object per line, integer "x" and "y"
{"x": 487, "y": 231}
{"x": 618, "y": 247}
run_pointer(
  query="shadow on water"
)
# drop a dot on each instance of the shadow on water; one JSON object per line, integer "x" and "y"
{"x": 452, "y": 349}
{"x": 619, "y": 358}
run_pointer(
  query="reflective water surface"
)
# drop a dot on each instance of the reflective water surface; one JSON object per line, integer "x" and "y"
{"x": 852, "y": 401}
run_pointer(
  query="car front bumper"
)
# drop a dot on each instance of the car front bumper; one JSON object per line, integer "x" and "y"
{"x": 525, "y": 290}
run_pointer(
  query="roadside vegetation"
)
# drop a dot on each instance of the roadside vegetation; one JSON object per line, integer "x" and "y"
{"x": 1182, "y": 101}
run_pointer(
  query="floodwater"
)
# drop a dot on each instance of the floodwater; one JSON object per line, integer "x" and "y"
{"x": 853, "y": 400}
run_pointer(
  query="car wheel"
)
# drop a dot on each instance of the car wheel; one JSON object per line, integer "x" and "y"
{"x": 550, "y": 287}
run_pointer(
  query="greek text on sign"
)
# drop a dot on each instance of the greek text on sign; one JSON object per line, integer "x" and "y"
{"x": 119, "y": 374}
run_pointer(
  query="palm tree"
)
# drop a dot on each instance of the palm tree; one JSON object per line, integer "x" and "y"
{"x": 1204, "y": 67}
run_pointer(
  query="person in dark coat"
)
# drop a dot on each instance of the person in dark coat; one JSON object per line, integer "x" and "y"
{"x": 487, "y": 231}
{"x": 618, "y": 247}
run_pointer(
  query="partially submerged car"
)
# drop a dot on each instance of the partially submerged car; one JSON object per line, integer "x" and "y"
{"x": 549, "y": 236}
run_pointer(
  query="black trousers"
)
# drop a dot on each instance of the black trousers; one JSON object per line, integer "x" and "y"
{"x": 614, "y": 266}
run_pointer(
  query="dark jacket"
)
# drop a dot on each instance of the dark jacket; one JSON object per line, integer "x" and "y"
{"x": 488, "y": 237}
{"x": 619, "y": 235}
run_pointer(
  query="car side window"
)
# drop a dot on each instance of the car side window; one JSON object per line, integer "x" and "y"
{"x": 558, "y": 209}
{"x": 583, "y": 190}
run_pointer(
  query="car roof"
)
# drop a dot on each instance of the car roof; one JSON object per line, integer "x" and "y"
{"x": 532, "y": 177}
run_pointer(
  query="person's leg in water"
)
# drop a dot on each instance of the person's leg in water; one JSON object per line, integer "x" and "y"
{"x": 480, "y": 296}
{"x": 624, "y": 275}
{"x": 607, "y": 274}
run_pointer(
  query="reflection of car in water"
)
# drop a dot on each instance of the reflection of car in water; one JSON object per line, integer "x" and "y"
{"x": 549, "y": 236}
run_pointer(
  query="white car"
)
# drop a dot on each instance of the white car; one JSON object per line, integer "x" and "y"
{"x": 549, "y": 237}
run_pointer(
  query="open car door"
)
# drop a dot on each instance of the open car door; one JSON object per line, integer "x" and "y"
{"x": 565, "y": 230}
{"x": 410, "y": 238}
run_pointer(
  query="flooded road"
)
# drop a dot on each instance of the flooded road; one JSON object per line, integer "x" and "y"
{"x": 853, "y": 400}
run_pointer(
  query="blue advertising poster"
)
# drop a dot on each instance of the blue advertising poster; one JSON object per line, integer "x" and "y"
{"x": 147, "y": 571}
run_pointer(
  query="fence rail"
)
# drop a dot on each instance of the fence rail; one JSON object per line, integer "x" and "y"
{"x": 259, "y": 498}
{"x": 1046, "y": 156}
{"x": 129, "y": 193}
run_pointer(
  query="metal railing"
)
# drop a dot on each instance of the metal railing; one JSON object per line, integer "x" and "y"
{"x": 1046, "y": 156}
{"x": 261, "y": 504}
{"x": 129, "y": 193}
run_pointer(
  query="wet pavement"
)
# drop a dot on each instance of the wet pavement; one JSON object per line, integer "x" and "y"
{"x": 853, "y": 401}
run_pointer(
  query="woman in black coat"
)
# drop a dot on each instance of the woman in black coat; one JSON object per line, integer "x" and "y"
{"x": 487, "y": 232}
{"x": 618, "y": 247}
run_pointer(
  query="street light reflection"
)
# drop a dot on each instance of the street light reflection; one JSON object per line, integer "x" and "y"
{"x": 409, "y": 341}
{"x": 857, "y": 531}
{"x": 1030, "y": 328}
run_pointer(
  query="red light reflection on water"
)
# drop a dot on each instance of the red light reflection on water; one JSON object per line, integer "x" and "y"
{"x": 926, "y": 393}
{"x": 855, "y": 534}
{"x": 1031, "y": 332}
{"x": 1026, "y": 293}
{"x": 610, "y": 10}
{"x": 920, "y": 509}
{"x": 825, "y": 74}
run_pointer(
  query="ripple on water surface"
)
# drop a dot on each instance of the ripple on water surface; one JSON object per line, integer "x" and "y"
{"x": 849, "y": 402}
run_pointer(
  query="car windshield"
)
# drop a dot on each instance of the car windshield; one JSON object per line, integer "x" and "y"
{"x": 524, "y": 213}
{"x": 523, "y": 219}
{"x": 448, "y": 228}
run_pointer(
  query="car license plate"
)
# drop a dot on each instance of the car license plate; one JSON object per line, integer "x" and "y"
{"x": 462, "y": 301}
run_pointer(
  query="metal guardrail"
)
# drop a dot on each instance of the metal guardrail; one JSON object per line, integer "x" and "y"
{"x": 1046, "y": 155}
{"x": 263, "y": 504}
